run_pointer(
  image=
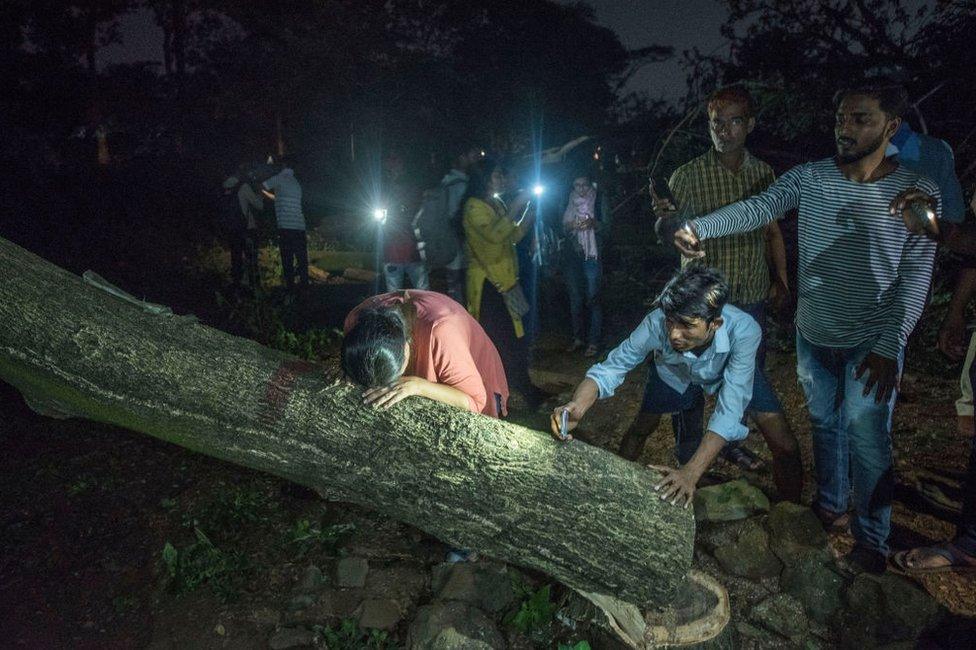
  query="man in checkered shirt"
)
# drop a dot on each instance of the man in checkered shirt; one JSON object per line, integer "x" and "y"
{"x": 754, "y": 265}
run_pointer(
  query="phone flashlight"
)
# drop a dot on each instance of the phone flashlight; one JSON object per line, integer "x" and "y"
{"x": 564, "y": 424}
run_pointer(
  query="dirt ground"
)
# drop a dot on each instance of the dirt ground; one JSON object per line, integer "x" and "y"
{"x": 86, "y": 511}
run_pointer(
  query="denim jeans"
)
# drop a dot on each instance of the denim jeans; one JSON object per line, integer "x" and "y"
{"x": 851, "y": 438}
{"x": 966, "y": 529}
{"x": 583, "y": 285}
{"x": 416, "y": 271}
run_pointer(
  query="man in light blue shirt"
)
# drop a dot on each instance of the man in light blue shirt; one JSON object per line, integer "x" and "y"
{"x": 697, "y": 343}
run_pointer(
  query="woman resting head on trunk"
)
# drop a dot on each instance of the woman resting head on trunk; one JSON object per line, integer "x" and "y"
{"x": 422, "y": 343}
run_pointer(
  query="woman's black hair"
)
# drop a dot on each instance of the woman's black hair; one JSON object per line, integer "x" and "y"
{"x": 373, "y": 350}
{"x": 479, "y": 178}
{"x": 694, "y": 292}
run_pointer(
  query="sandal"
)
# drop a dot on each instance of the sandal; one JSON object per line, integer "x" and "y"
{"x": 959, "y": 562}
{"x": 742, "y": 457}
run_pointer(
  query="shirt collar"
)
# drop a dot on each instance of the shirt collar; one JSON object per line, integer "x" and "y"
{"x": 711, "y": 157}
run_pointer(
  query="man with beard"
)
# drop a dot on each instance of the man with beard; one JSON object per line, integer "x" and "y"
{"x": 862, "y": 283}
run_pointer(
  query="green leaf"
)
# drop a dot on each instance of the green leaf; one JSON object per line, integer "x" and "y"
{"x": 170, "y": 559}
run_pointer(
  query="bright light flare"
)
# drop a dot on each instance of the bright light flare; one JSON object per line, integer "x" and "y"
{"x": 379, "y": 214}
{"x": 538, "y": 190}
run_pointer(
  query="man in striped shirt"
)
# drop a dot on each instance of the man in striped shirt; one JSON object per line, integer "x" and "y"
{"x": 862, "y": 283}
{"x": 727, "y": 173}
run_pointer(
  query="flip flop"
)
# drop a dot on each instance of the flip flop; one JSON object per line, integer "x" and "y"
{"x": 742, "y": 457}
{"x": 959, "y": 562}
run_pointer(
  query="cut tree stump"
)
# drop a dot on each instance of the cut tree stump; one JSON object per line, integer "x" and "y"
{"x": 575, "y": 512}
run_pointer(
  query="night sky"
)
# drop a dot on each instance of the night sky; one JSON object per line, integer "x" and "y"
{"x": 682, "y": 24}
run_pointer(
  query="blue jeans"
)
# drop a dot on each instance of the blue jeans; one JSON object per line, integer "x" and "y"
{"x": 583, "y": 285}
{"x": 966, "y": 529}
{"x": 417, "y": 272}
{"x": 851, "y": 438}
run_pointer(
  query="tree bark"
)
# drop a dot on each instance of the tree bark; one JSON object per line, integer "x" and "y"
{"x": 578, "y": 513}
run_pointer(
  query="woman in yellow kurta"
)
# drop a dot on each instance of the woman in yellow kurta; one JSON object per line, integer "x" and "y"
{"x": 491, "y": 230}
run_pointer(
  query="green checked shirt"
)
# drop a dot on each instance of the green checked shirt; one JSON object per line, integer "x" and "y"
{"x": 704, "y": 185}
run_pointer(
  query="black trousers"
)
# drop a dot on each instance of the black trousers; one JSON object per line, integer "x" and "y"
{"x": 244, "y": 257}
{"x": 294, "y": 252}
{"x": 499, "y": 327}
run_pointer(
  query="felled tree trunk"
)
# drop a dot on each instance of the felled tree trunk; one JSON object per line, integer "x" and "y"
{"x": 578, "y": 513}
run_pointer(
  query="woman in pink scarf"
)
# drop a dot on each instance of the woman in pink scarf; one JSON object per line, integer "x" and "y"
{"x": 581, "y": 264}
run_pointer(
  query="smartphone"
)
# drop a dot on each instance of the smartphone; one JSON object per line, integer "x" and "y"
{"x": 564, "y": 424}
{"x": 663, "y": 191}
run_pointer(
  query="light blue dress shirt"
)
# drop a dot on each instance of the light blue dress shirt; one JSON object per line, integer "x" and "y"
{"x": 726, "y": 366}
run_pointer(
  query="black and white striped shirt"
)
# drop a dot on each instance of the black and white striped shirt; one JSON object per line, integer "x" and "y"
{"x": 862, "y": 275}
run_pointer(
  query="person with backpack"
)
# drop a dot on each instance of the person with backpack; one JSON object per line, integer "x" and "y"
{"x": 436, "y": 228}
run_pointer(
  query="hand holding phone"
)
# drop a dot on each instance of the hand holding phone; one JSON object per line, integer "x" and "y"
{"x": 563, "y": 421}
{"x": 662, "y": 204}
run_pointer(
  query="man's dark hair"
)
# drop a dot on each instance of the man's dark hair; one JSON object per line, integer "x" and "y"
{"x": 372, "y": 351}
{"x": 892, "y": 98}
{"x": 694, "y": 292}
{"x": 731, "y": 95}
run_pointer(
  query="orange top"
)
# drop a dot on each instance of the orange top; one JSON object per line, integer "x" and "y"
{"x": 448, "y": 347}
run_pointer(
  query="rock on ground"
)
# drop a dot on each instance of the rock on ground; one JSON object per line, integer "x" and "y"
{"x": 748, "y": 554}
{"x": 885, "y": 609}
{"x": 351, "y": 572}
{"x": 485, "y": 585}
{"x": 453, "y": 625}
{"x": 729, "y": 501}
{"x": 814, "y": 582}
{"x": 291, "y": 637}
{"x": 782, "y": 614}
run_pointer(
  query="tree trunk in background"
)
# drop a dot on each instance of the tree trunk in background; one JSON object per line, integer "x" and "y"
{"x": 279, "y": 134}
{"x": 178, "y": 18}
{"x": 578, "y": 513}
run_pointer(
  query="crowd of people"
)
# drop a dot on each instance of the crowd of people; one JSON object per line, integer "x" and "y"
{"x": 863, "y": 279}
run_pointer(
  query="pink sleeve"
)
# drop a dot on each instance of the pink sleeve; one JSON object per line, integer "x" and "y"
{"x": 454, "y": 365}
{"x": 351, "y": 319}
